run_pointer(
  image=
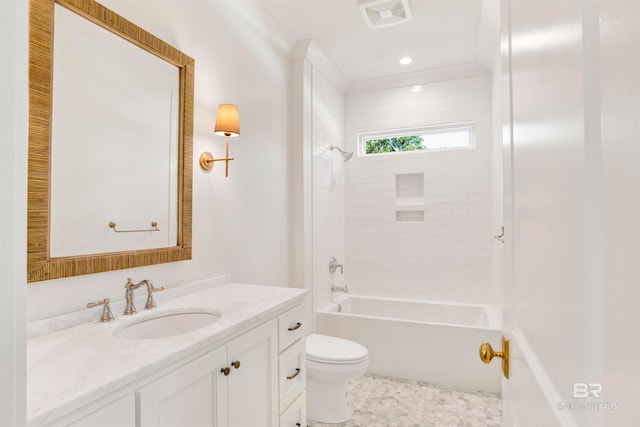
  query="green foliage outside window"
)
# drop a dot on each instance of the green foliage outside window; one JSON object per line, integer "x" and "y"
{"x": 400, "y": 143}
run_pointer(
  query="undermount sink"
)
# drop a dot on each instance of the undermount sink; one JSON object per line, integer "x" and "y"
{"x": 168, "y": 324}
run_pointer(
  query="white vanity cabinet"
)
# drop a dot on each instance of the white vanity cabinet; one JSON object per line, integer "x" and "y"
{"x": 292, "y": 373}
{"x": 121, "y": 413}
{"x": 245, "y": 370}
{"x": 252, "y": 390}
{"x": 200, "y": 394}
{"x": 192, "y": 395}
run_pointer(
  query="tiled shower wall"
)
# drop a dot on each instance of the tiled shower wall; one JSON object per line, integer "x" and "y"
{"x": 447, "y": 256}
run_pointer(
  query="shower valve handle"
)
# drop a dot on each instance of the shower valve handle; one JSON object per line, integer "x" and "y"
{"x": 333, "y": 266}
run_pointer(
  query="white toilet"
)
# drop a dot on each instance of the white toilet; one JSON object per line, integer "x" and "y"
{"x": 331, "y": 363}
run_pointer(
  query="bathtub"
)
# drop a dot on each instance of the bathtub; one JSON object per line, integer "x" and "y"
{"x": 428, "y": 341}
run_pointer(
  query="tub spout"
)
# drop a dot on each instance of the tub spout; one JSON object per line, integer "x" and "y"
{"x": 340, "y": 289}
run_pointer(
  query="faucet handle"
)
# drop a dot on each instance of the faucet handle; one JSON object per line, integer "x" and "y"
{"x": 107, "y": 315}
{"x": 150, "y": 301}
{"x": 333, "y": 266}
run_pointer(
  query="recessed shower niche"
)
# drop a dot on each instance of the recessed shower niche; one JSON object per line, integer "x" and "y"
{"x": 410, "y": 197}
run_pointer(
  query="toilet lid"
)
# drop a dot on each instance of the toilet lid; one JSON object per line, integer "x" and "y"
{"x": 326, "y": 349}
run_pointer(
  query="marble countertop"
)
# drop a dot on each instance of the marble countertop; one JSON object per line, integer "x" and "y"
{"x": 72, "y": 367}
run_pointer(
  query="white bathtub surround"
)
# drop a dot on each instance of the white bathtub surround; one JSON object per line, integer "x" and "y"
{"x": 447, "y": 254}
{"x": 74, "y": 367}
{"x": 379, "y": 401}
{"x": 421, "y": 340}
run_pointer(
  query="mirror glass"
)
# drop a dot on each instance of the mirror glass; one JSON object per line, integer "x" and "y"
{"x": 114, "y": 133}
{"x": 110, "y": 143}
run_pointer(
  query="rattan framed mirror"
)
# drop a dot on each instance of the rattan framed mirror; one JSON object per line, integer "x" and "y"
{"x": 43, "y": 263}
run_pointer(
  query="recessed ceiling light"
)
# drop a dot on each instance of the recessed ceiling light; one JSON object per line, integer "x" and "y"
{"x": 416, "y": 89}
{"x": 405, "y": 61}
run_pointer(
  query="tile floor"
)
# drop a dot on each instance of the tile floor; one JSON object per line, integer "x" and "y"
{"x": 390, "y": 402}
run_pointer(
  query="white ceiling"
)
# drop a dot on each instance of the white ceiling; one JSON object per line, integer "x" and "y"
{"x": 441, "y": 33}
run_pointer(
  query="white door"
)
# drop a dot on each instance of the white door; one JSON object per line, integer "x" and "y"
{"x": 571, "y": 74}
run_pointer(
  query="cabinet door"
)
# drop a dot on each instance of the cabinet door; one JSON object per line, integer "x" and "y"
{"x": 193, "y": 395}
{"x": 253, "y": 386}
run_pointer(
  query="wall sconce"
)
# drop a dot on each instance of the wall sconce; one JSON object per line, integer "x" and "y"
{"x": 227, "y": 124}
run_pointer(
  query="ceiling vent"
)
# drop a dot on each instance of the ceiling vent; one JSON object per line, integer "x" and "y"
{"x": 383, "y": 13}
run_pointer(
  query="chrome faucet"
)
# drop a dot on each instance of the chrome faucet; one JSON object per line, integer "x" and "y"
{"x": 333, "y": 266}
{"x": 130, "y": 287}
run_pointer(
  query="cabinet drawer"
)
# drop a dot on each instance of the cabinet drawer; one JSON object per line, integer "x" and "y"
{"x": 292, "y": 373}
{"x": 291, "y": 327}
{"x": 296, "y": 414}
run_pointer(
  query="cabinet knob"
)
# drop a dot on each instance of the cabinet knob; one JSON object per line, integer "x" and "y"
{"x": 236, "y": 364}
{"x": 226, "y": 370}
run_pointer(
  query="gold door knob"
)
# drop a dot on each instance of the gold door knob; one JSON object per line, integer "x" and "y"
{"x": 236, "y": 364}
{"x": 487, "y": 353}
{"x": 226, "y": 370}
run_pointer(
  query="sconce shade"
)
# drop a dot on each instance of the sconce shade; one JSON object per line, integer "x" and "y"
{"x": 228, "y": 120}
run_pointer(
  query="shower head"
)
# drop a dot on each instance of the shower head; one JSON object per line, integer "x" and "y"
{"x": 346, "y": 155}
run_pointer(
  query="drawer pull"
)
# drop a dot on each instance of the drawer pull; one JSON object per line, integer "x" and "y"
{"x": 293, "y": 328}
{"x": 236, "y": 364}
{"x": 225, "y": 371}
{"x": 290, "y": 377}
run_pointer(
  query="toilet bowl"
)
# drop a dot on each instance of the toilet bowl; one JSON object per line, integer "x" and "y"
{"x": 331, "y": 363}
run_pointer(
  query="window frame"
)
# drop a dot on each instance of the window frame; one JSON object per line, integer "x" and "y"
{"x": 363, "y": 137}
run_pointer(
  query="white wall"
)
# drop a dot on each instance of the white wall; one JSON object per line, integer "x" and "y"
{"x": 239, "y": 223}
{"x": 449, "y": 256}
{"x": 328, "y": 186}
{"x": 317, "y": 175}
{"x": 13, "y": 221}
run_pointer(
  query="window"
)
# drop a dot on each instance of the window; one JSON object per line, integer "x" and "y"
{"x": 424, "y": 138}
